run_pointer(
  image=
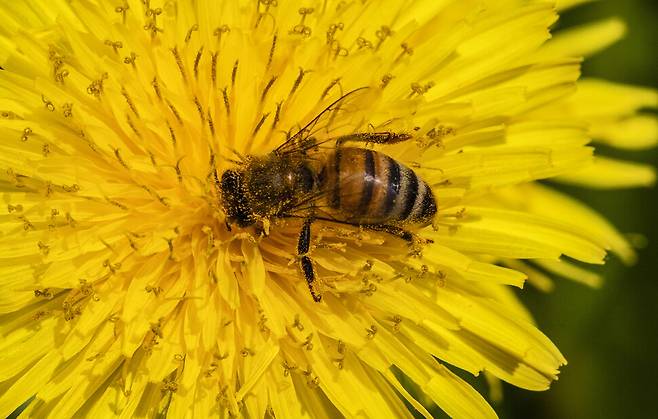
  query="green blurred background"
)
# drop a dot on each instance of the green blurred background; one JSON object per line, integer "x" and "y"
{"x": 609, "y": 336}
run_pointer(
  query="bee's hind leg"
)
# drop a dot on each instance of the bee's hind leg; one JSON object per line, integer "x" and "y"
{"x": 415, "y": 241}
{"x": 306, "y": 264}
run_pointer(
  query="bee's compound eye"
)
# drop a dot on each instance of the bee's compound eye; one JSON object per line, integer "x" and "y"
{"x": 230, "y": 182}
{"x": 306, "y": 180}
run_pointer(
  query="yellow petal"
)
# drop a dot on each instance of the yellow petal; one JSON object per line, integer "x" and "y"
{"x": 606, "y": 173}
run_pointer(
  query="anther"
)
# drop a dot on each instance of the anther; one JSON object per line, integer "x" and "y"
{"x": 175, "y": 112}
{"x": 27, "y": 225}
{"x": 308, "y": 344}
{"x": 179, "y": 63}
{"x": 116, "y": 45}
{"x": 71, "y": 189}
{"x": 333, "y": 83}
{"x": 297, "y": 324}
{"x": 298, "y": 81}
{"x": 226, "y": 101}
{"x": 277, "y": 115}
{"x": 234, "y": 73}
{"x": 172, "y": 134}
{"x": 386, "y": 79}
{"x": 271, "y": 55}
{"x": 155, "y": 290}
{"x": 61, "y": 75}
{"x": 197, "y": 60}
{"x": 268, "y": 86}
{"x": 26, "y": 134}
{"x": 70, "y": 220}
{"x": 117, "y": 153}
{"x": 44, "y": 293}
{"x": 123, "y": 9}
{"x": 48, "y": 103}
{"x": 96, "y": 87}
{"x": 199, "y": 109}
{"x": 396, "y": 323}
{"x": 169, "y": 385}
{"x": 131, "y": 104}
{"x": 156, "y": 87}
{"x": 220, "y": 31}
{"x": 67, "y": 110}
{"x": 418, "y": 89}
{"x": 287, "y": 368}
{"x": 372, "y": 331}
{"x": 211, "y": 124}
{"x": 14, "y": 208}
{"x": 213, "y": 68}
{"x": 364, "y": 43}
{"x": 130, "y": 59}
{"x": 260, "y": 124}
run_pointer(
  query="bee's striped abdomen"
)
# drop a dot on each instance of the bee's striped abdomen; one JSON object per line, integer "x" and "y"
{"x": 368, "y": 187}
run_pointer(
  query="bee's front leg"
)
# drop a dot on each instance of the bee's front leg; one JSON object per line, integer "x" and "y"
{"x": 306, "y": 264}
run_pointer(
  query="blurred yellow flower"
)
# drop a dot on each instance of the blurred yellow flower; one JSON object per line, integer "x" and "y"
{"x": 123, "y": 293}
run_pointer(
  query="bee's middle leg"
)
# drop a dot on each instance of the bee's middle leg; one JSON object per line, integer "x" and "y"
{"x": 303, "y": 246}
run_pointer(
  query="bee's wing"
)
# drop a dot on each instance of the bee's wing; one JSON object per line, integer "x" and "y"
{"x": 324, "y": 121}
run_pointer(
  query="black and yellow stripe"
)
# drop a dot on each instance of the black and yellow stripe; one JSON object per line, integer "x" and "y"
{"x": 368, "y": 187}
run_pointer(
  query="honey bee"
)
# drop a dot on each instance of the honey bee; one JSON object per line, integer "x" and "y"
{"x": 348, "y": 185}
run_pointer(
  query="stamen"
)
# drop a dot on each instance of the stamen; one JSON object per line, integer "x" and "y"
{"x": 372, "y": 331}
{"x": 130, "y": 59}
{"x": 194, "y": 28}
{"x": 418, "y": 89}
{"x": 277, "y": 115}
{"x": 406, "y": 50}
{"x": 179, "y": 63}
{"x": 211, "y": 124}
{"x": 196, "y": 63}
{"x": 298, "y": 81}
{"x": 131, "y": 104}
{"x": 123, "y": 9}
{"x": 271, "y": 55}
{"x": 226, "y": 101}
{"x": 48, "y": 103}
{"x": 234, "y": 73}
{"x": 116, "y": 45}
{"x": 308, "y": 344}
{"x": 213, "y": 68}
{"x": 331, "y": 32}
{"x": 44, "y": 248}
{"x": 132, "y": 126}
{"x": 260, "y": 124}
{"x": 199, "y": 109}
{"x": 220, "y": 31}
{"x": 333, "y": 83}
{"x": 297, "y": 324}
{"x": 14, "y": 208}
{"x": 362, "y": 42}
{"x": 267, "y": 88}
{"x": 116, "y": 204}
{"x": 386, "y": 79}
{"x": 67, "y": 110}
{"x": 172, "y": 134}
{"x": 175, "y": 112}
{"x": 156, "y": 87}
{"x": 26, "y": 134}
{"x": 96, "y": 86}
{"x": 381, "y": 34}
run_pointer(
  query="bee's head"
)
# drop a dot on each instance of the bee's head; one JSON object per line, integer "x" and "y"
{"x": 234, "y": 198}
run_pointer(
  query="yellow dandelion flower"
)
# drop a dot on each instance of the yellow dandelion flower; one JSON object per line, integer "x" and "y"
{"x": 139, "y": 279}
